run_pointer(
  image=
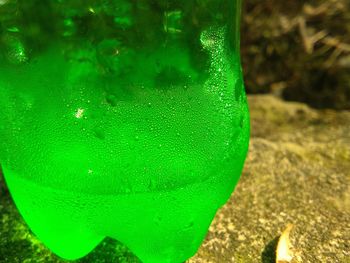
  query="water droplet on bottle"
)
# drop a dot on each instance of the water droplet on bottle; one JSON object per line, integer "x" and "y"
{"x": 151, "y": 185}
{"x": 15, "y": 50}
{"x": 173, "y": 22}
{"x": 99, "y": 133}
{"x": 123, "y": 21}
{"x": 158, "y": 220}
{"x": 241, "y": 122}
{"x": 69, "y": 27}
{"x": 108, "y": 55}
{"x": 170, "y": 77}
{"x": 112, "y": 100}
{"x": 238, "y": 89}
{"x": 2, "y": 2}
{"x": 189, "y": 225}
{"x": 91, "y": 10}
{"x": 13, "y": 29}
{"x": 207, "y": 39}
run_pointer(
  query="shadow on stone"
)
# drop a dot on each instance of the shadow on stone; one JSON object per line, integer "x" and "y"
{"x": 269, "y": 253}
{"x": 110, "y": 251}
{"x": 18, "y": 244}
{"x": 3, "y": 188}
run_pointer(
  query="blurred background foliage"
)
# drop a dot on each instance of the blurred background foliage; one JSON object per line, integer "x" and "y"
{"x": 298, "y": 49}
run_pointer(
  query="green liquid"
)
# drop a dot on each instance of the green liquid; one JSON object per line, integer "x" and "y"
{"x": 134, "y": 144}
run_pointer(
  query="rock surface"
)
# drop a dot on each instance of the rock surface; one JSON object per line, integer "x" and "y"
{"x": 297, "y": 171}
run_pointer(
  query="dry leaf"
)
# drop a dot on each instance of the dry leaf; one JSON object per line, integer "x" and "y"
{"x": 284, "y": 253}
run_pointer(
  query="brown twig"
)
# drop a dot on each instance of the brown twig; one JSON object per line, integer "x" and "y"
{"x": 309, "y": 41}
{"x": 334, "y": 42}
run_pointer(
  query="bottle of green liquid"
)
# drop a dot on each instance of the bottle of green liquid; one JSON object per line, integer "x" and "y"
{"x": 121, "y": 118}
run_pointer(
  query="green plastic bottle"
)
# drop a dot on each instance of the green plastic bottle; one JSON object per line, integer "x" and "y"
{"x": 121, "y": 118}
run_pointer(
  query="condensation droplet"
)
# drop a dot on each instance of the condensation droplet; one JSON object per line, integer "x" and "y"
{"x": 69, "y": 27}
{"x": 112, "y": 100}
{"x": 158, "y": 219}
{"x": 127, "y": 190}
{"x": 99, "y": 133}
{"x": 189, "y": 225}
{"x": 108, "y": 55}
{"x": 13, "y": 29}
{"x": 238, "y": 89}
{"x": 151, "y": 185}
{"x": 241, "y": 122}
{"x": 123, "y": 22}
{"x": 173, "y": 22}
{"x": 15, "y": 50}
